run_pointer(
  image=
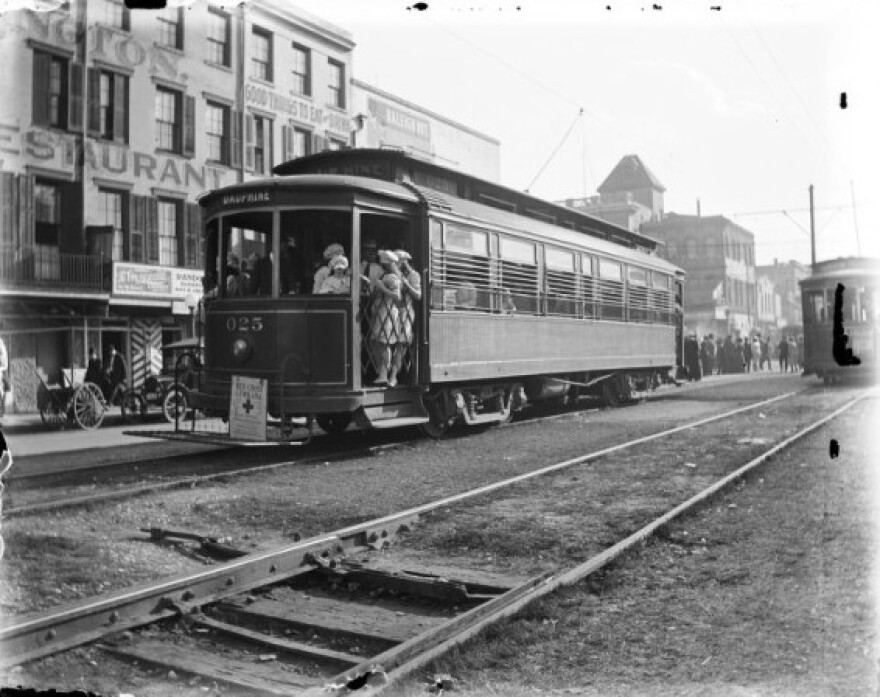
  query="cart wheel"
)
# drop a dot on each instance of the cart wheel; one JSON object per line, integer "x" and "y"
{"x": 175, "y": 405}
{"x": 52, "y": 416}
{"x": 133, "y": 406}
{"x": 333, "y": 423}
{"x": 88, "y": 406}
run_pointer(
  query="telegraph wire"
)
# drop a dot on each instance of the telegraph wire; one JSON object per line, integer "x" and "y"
{"x": 556, "y": 149}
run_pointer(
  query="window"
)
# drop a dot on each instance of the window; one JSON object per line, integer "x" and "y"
{"x": 262, "y": 145}
{"x": 111, "y": 206}
{"x": 219, "y": 32}
{"x": 302, "y": 70}
{"x": 112, "y": 107}
{"x": 588, "y": 283}
{"x": 637, "y": 295}
{"x": 47, "y": 213}
{"x": 171, "y": 27}
{"x": 302, "y": 141}
{"x": 50, "y": 94}
{"x": 168, "y": 222}
{"x": 115, "y": 14}
{"x": 168, "y": 119}
{"x": 609, "y": 290}
{"x": 461, "y": 270}
{"x": 519, "y": 274}
{"x": 562, "y": 282}
{"x": 261, "y": 61}
{"x": 217, "y": 130}
{"x": 337, "y": 84}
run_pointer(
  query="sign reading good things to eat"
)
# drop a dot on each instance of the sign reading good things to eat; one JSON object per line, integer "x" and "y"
{"x": 247, "y": 408}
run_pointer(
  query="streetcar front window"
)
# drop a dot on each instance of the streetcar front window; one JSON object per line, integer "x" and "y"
{"x": 310, "y": 240}
{"x": 249, "y": 259}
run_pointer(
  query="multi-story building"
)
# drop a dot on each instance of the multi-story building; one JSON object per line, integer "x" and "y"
{"x": 769, "y": 305}
{"x": 786, "y": 277}
{"x": 718, "y": 257}
{"x": 114, "y": 123}
{"x": 629, "y": 197}
{"x": 386, "y": 121}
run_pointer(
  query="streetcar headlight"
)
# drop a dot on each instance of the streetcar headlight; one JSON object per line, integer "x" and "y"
{"x": 241, "y": 350}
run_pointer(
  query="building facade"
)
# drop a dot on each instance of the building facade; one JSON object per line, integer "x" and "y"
{"x": 718, "y": 257}
{"x": 629, "y": 197}
{"x": 115, "y": 122}
{"x": 769, "y": 305}
{"x": 786, "y": 277}
{"x": 386, "y": 121}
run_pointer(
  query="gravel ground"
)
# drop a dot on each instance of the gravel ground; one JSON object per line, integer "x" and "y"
{"x": 570, "y": 516}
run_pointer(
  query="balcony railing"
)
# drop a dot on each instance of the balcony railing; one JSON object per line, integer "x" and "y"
{"x": 46, "y": 267}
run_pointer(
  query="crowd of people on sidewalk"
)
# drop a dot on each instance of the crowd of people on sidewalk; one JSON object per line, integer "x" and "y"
{"x": 714, "y": 356}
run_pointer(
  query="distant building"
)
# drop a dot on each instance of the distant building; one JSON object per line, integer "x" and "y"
{"x": 629, "y": 197}
{"x": 785, "y": 277}
{"x": 769, "y": 305}
{"x": 386, "y": 121}
{"x": 718, "y": 257}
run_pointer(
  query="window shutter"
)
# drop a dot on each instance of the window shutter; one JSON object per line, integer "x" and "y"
{"x": 249, "y": 143}
{"x": 72, "y": 237}
{"x": 319, "y": 143}
{"x": 227, "y": 58}
{"x": 308, "y": 81}
{"x": 41, "y": 89}
{"x": 138, "y": 228}
{"x": 268, "y": 145}
{"x": 178, "y": 39}
{"x": 75, "y": 114}
{"x": 193, "y": 234}
{"x": 7, "y": 213}
{"x": 151, "y": 228}
{"x": 189, "y": 126}
{"x": 26, "y": 236}
{"x": 120, "y": 108}
{"x": 235, "y": 145}
{"x": 126, "y": 18}
{"x": 94, "y": 101}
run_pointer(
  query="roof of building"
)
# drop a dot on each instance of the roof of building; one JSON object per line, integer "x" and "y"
{"x": 630, "y": 174}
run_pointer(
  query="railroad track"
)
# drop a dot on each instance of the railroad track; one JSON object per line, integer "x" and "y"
{"x": 326, "y": 450}
{"x": 310, "y": 618}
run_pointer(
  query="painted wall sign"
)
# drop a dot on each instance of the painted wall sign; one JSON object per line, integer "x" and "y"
{"x": 60, "y": 151}
{"x": 272, "y": 101}
{"x": 392, "y": 117}
{"x": 164, "y": 282}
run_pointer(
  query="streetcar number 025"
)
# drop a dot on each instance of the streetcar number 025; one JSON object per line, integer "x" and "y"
{"x": 244, "y": 324}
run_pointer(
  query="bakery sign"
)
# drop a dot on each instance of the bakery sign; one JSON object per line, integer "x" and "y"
{"x": 166, "y": 282}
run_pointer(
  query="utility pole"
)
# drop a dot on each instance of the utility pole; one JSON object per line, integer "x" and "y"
{"x": 812, "y": 230}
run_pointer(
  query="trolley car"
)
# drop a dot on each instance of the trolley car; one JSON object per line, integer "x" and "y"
{"x": 519, "y": 299}
{"x": 841, "y": 308}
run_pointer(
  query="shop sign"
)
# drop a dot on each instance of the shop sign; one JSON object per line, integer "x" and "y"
{"x": 401, "y": 121}
{"x": 166, "y": 282}
{"x": 247, "y": 408}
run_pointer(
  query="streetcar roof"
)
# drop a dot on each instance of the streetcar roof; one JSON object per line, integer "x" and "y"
{"x": 841, "y": 269}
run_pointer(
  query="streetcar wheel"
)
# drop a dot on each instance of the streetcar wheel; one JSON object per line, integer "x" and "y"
{"x": 438, "y": 424}
{"x": 333, "y": 423}
{"x": 88, "y": 406}
{"x": 569, "y": 398}
{"x": 175, "y": 405}
{"x": 134, "y": 406}
{"x": 610, "y": 393}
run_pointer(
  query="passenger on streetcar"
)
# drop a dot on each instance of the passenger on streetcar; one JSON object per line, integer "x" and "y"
{"x": 322, "y": 274}
{"x": 261, "y": 275}
{"x": 339, "y": 280}
{"x": 293, "y": 268}
{"x": 410, "y": 292}
{"x": 507, "y": 304}
{"x": 385, "y": 297}
{"x": 371, "y": 270}
{"x": 235, "y": 284}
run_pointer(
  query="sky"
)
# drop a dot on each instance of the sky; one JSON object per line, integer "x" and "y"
{"x": 737, "y": 108}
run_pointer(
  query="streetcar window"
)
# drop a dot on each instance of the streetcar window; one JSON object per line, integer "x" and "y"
{"x": 519, "y": 274}
{"x": 461, "y": 270}
{"x": 247, "y": 241}
{"x": 660, "y": 301}
{"x": 816, "y": 310}
{"x": 309, "y": 238}
{"x": 609, "y": 287}
{"x": 588, "y": 283}
{"x": 637, "y": 297}
{"x": 562, "y": 282}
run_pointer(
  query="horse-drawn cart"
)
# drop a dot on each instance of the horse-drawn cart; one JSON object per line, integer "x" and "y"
{"x": 74, "y": 403}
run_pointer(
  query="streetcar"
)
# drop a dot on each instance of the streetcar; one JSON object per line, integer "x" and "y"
{"x": 508, "y": 298}
{"x": 841, "y": 311}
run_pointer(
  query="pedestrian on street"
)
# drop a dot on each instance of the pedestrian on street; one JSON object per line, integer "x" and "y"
{"x": 783, "y": 354}
{"x": 756, "y": 353}
{"x": 116, "y": 374}
{"x": 747, "y": 355}
{"x": 765, "y": 353}
{"x": 692, "y": 357}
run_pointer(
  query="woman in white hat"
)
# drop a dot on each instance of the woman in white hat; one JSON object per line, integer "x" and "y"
{"x": 339, "y": 280}
{"x": 410, "y": 291}
{"x": 333, "y": 250}
{"x": 384, "y": 314}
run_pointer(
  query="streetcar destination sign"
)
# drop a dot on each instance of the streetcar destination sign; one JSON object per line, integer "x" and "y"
{"x": 247, "y": 197}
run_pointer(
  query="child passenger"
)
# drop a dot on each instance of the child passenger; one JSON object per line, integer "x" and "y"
{"x": 339, "y": 280}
